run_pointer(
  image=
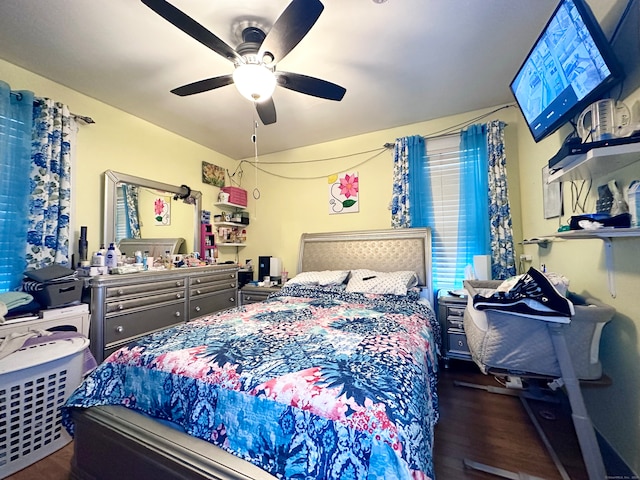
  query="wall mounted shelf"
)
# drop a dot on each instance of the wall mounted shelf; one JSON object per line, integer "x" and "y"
{"x": 596, "y": 162}
{"x": 229, "y": 205}
{"x": 604, "y": 234}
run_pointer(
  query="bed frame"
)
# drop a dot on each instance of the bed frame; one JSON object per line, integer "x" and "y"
{"x": 114, "y": 442}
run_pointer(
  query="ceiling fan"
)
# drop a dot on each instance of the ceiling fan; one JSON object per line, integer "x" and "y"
{"x": 255, "y": 59}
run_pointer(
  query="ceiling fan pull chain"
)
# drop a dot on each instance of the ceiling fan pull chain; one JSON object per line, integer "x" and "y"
{"x": 256, "y": 190}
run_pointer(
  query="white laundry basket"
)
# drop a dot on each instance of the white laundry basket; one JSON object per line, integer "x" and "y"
{"x": 35, "y": 381}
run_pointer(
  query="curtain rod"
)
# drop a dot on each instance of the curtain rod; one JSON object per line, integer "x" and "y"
{"x": 82, "y": 118}
{"x": 457, "y": 128}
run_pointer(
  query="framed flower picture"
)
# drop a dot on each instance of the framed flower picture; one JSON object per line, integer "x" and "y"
{"x": 343, "y": 193}
{"x": 162, "y": 210}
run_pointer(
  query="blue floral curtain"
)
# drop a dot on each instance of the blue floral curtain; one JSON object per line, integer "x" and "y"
{"x": 16, "y": 119}
{"x": 130, "y": 194}
{"x": 407, "y": 208}
{"x": 50, "y": 185}
{"x": 501, "y": 232}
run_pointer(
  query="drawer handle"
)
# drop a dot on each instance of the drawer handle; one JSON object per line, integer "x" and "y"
{"x": 120, "y": 307}
{"x": 178, "y": 283}
{"x": 120, "y": 291}
{"x": 177, "y": 314}
{"x": 460, "y": 343}
{"x": 232, "y": 275}
{"x": 178, "y": 295}
{"x": 198, "y": 292}
{"x": 197, "y": 280}
{"x": 119, "y": 329}
{"x": 233, "y": 285}
{"x": 248, "y": 297}
{"x": 197, "y": 309}
{"x": 231, "y": 299}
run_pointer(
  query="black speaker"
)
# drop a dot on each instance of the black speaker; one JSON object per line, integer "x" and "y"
{"x": 264, "y": 267}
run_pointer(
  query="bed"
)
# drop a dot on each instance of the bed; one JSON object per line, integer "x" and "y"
{"x": 324, "y": 379}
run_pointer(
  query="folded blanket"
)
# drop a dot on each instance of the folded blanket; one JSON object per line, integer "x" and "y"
{"x": 15, "y": 299}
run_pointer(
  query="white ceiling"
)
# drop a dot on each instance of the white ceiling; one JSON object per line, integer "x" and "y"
{"x": 402, "y": 62}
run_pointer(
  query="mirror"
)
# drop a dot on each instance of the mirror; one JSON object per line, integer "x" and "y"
{"x": 164, "y": 211}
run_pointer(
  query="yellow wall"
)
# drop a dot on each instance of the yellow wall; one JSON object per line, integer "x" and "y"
{"x": 298, "y": 203}
{"x": 123, "y": 143}
{"x": 615, "y": 410}
{"x": 288, "y": 207}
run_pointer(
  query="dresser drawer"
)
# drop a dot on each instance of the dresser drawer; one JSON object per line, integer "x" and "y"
{"x": 143, "y": 288}
{"x": 118, "y": 328}
{"x": 206, "y": 304}
{"x": 115, "y": 306}
{"x": 211, "y": 287}
{"x": 224, "y": 277}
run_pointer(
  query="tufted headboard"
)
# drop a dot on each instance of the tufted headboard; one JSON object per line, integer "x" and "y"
{"x": 380, "y": 250}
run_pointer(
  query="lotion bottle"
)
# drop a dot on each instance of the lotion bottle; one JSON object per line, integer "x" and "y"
{"x": 112, "y": 257}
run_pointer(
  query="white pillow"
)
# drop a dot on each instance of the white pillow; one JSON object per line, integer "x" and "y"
{"x": 369, "y": 281}
{"x": 326, "y": 277}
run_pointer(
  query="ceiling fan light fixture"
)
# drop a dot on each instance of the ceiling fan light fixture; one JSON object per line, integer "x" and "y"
{"x": 254, "y": 82}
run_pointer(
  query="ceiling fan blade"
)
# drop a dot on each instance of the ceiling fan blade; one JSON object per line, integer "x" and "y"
{"x": 203, "y": 85}
{"x": 266, "y": 111}
{"x": 189, "y": 26}
{"x": 310, "y": 86}
{"x": 291, "y": 27}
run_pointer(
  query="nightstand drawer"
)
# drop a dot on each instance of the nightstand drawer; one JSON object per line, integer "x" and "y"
{"x": 458, "y": 342}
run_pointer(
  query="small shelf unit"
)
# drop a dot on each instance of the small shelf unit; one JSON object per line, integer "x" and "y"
{"x": 237, "y": 226}
{"x": 207, "y": 242}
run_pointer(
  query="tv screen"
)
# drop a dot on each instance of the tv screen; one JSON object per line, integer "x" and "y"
{"x": 570, "y": 65}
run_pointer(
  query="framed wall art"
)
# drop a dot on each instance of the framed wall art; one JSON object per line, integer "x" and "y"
{"x": 343, "y": 193}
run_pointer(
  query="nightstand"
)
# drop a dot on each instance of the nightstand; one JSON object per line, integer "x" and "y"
{"x": 252, "y": 294}
{"x": 451, "y": 318}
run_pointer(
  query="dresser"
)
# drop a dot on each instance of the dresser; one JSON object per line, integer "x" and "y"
{"x": 126, "y": 307}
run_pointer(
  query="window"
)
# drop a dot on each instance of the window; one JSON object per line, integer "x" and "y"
{"x": 121, "y": 216}
{"x": 442, "y": 168}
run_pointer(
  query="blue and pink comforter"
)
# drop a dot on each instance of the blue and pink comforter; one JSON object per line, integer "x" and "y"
{"x": 312, "y": 383}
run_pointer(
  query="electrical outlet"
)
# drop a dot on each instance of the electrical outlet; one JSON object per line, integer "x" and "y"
{"x": 526, "y": 258}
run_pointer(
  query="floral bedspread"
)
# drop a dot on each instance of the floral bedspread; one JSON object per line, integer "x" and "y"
{"x": 310, "y": 383}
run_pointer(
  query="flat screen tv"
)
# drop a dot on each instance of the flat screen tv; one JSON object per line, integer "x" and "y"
{"x": 570, "y": 65}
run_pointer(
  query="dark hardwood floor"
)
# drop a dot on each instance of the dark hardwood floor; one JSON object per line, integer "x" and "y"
{"x": 474, "y": 424}
{"x": 495, "y": 430}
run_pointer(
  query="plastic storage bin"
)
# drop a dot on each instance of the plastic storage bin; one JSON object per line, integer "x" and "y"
{"x": 237, "y": 196}
{"x": 35, "y": 381}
